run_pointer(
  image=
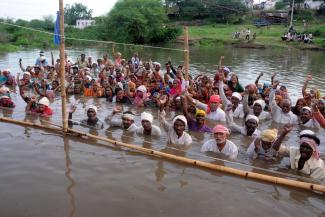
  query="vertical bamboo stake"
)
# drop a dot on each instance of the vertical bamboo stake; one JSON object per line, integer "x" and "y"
{"x": 62, "y": 69}
{"x": 186, "y": 53}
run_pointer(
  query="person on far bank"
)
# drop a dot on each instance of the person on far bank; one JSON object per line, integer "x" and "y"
{"x": 220, "y": 143}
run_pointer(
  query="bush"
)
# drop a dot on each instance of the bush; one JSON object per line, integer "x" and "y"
{"x": 301, "y": 15}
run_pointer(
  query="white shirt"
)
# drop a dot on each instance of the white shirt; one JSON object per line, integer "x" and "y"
{"x": 217, "y": 115}
{"x": 313, "y": 167}
{"x": 230, "y": 149}
{"x": 278, "y": 115}
{"x": 118, "y": 123}
{"x": 155, "y": 131}
{"x": 239, "y": 111}
{"x": 261, "y": 153}
{"x": 172, "y": 138}
{"x": 241, "y": 129}
{"x": 311, "y": 124}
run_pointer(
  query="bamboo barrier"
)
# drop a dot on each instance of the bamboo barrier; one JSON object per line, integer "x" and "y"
{"x": 186, "y": 54}
{"x": 197, "y": 163}
{"x": 62, "y": 69}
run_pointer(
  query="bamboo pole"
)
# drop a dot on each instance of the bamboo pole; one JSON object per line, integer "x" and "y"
{"x": 186, "y": 53}
{"x": 252, "y": 175}
{"x": 62, "y": 68}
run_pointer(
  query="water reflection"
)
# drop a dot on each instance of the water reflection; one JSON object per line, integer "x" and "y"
{"x": 72, "y": 183}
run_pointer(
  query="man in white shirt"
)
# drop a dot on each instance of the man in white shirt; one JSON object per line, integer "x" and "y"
{"x": 283, "y": 114}
{"x": 126, "y": 122}
{"x": 306, "y": 118}
{"x": 213, "y": 110}
{"x": 176, "y": 134}
{"x": 250, "y": 127}
{"x": 235, "y": 102}
{"x": 147, "y": 128}
{"x": 306, "y": 158}
{"x": 220, "y": 144}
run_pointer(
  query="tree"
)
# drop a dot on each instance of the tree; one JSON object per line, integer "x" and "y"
{"x": 76, "y": 11}
{"x": 219, "y": 10}
{"x": 137, "y": 21}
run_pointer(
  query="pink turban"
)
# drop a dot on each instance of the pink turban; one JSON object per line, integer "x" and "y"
{"x": 220, "y": 129}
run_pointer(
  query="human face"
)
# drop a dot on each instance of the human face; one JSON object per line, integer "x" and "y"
{"x": 175, "y": 84}
{"x": 305, "y": 151}
{"x": 234, "y": 79}
{"x": 220, "y": 137}
{"x": 305, "y": 115}
{"x": 214, "y": 106}
{"x": 266, "y": 145}
{"x": 200, "y": 119}
{"x": 139, "y": 94}
{"x": 179, "y": 127}
{"x": 286, "y": 106}
{"x": 41, "y": 107}
{"x": 234, "y": 100}
{"x": 126, "y": 122}
{"x": 91, "y": 114}
{"x": 120, "y": 94}
{"x": 146, "y": 125}
{"x": 251, "y": 126}
{"x": 108, "y": 92}
{"x": 257, "y": 109}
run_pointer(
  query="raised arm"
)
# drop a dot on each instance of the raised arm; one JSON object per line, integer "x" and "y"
{"x": 258, "y": 78}
{"x": 318, "y": 116}
{"x": 222, "y": 93}
{"x": 304, "y": 87}
{"x": 277, "y": 143}
{"x": 272, "y": 95}
{"x": 185, "y": 109}
{"x": 21, "y": 65}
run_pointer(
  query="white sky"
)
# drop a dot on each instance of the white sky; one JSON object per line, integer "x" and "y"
{"x": 36, "y": 9}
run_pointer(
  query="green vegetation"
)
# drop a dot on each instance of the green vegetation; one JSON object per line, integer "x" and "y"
{"x": 151, "y": 21}
{"x": 221, "y": 11}
{"x": 76, "y": 11}
{"x": 137, "y": 21}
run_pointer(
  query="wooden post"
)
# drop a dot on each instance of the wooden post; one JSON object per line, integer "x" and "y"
{"x": 62, "y": 69}
{"x": 186, "y": 53}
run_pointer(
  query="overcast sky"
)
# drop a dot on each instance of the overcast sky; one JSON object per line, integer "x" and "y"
{"x": 36, "y": 9}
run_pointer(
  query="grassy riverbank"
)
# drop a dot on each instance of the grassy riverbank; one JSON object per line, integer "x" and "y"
{"x": 265, "y": 36}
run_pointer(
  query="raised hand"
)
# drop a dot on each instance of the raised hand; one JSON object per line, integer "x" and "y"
{"x": 117, "y": 109}
{"x": 309, "y": 78}
{"x": 287, "y": 128}
{"x": 275, "y": 84}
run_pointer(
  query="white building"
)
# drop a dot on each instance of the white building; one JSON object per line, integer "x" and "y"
{"x": 314, "y": 5}
{"x": 81, "y": 24}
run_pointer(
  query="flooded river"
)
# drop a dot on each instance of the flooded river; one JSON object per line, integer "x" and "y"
{"x": 44, "y": 174}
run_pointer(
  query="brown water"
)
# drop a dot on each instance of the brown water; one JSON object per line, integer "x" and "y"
{"x": 43, "y": 174}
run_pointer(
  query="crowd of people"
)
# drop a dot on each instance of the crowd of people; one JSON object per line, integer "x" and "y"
{"x": 306, "y": 38}
{"x": 221, "y": 99}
